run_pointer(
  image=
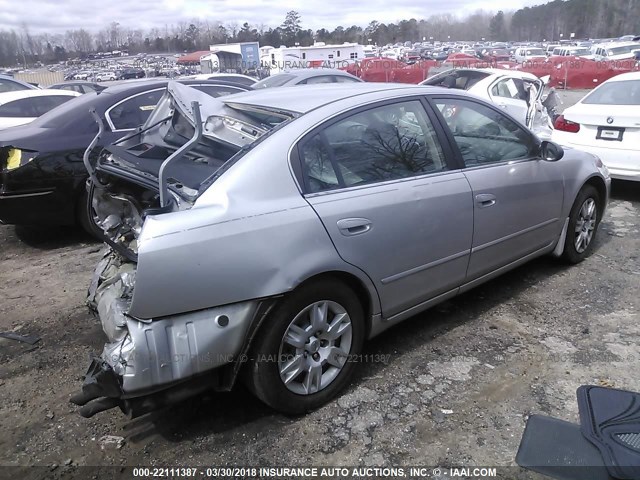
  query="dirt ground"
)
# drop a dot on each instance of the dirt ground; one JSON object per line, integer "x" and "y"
{"x": 455, "y": 388}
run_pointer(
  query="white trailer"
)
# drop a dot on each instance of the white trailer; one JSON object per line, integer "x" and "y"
{"x": 231, "y": 58}
{"x": 317, "y": 56}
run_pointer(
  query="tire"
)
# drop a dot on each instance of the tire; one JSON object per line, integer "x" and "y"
{"x": 272, "y": 359}
{"x": 584, "y": 220}
{"x": 83, "y": 216}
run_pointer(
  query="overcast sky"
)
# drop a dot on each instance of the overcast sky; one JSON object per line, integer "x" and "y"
{"x": 57, "y": 16}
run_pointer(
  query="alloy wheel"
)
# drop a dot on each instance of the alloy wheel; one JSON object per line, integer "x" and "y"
{"x": 585, "y": 225}
{"x": 315, "y": 347}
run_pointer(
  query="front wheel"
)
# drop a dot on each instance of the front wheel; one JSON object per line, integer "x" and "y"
{"x": 584, "y": 220}
{"x": 301, "y": 358}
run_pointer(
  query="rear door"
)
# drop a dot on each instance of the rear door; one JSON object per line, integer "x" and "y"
{"x": 382, "y": 183}
{"x": 509, "y": 94}
{"x": 517, "y": 196}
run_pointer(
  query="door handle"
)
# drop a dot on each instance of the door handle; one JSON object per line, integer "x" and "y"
{"x": 502, "y": 105}
{"x": 354, "y": 226}
{"x": 485, "y": 200}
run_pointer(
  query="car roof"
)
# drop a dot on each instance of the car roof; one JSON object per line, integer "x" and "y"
{"x": 501, "y": 72}
{"x": 19, "y": 94}
{"x": 75, "y": 82}
{"x": 21, "y": 82}
{"x": 511, "y": 73}
{"x": 303, "y": 99}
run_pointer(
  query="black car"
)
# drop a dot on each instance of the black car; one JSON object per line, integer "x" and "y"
{"x": 42, "y": 175}
{"x": 79, "y": 86}
{"x": 129, "y": 73}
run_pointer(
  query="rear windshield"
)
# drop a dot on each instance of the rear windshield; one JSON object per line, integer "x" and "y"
{"x": 625, "y": 92}
{"x": 535, "y": 51}
{"x": 275, "y": 81}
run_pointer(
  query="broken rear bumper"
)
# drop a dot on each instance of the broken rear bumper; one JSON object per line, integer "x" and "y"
{"x": 145, "y": 357}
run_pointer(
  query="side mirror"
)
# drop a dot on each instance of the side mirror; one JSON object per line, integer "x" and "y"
{"x": 551, "y": 152}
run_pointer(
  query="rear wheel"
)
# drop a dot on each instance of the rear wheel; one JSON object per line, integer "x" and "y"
{"x": 583, "y": 225}
{"x": 300, "y": 359}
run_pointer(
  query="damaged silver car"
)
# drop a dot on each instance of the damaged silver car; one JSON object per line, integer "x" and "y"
{"x": 264, "y": 236}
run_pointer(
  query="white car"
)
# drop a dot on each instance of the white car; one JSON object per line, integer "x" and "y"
{"x": 24, "y": 106}
{"x": 528, "y": 54}
{"x": 518, "y": 93}
{"x": 607, "y": 123}
{"x": 105, "y": 76}
{"x": 572, "y": 52}
{"x": 615, "y": 51}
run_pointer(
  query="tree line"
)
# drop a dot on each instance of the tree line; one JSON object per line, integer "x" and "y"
{"x": 551, "y": 22}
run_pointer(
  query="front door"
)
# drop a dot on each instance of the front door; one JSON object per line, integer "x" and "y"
{"x": 517, "y": 196}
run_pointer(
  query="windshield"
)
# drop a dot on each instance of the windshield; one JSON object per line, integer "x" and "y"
{"x": 535, "y": 51}
{"x": 579, "y": 52}
{"x": 275, "y": 81}
{"x": 626, "y": 92}
{"x": 622, "y": 50}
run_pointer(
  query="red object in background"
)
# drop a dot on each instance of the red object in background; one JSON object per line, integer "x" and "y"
{"x": 375, "y": 69}
{"x": 415, "y": 73}
{"x": 578, "y": 72}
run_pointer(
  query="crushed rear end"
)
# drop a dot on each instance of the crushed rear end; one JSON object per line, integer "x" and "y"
{"x": 154, "y": 357}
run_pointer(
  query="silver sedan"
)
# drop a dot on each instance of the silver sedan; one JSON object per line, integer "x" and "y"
{"x": 265, "y": 236}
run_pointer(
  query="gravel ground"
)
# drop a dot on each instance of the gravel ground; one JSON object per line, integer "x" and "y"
{"x": 452, "y": 386}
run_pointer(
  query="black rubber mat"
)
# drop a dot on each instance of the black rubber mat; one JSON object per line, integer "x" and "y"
{"x": 610, "y": 419}
{"x": 558, "y": 449}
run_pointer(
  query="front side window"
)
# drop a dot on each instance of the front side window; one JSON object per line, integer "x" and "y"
{"x": 483, "y": 135}
{"x": 381, "y": 144}
{"x": 134, "y": 111}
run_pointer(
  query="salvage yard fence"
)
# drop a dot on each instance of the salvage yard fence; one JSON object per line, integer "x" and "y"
{"x": 42, "y": 79}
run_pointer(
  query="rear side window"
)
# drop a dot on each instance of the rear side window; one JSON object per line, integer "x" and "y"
{"x": 345, "y": 79}
{"x": 22, "y": 108}
{"x": 43, "y": 104}
{"x": 134, "y": 111}
{"x": 320, "y": 79}
{"x": 380, "y": 144}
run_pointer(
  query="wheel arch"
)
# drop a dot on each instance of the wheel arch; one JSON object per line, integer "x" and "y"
{"x": 365, "y": 296}
{"x": 601, "y": 188}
